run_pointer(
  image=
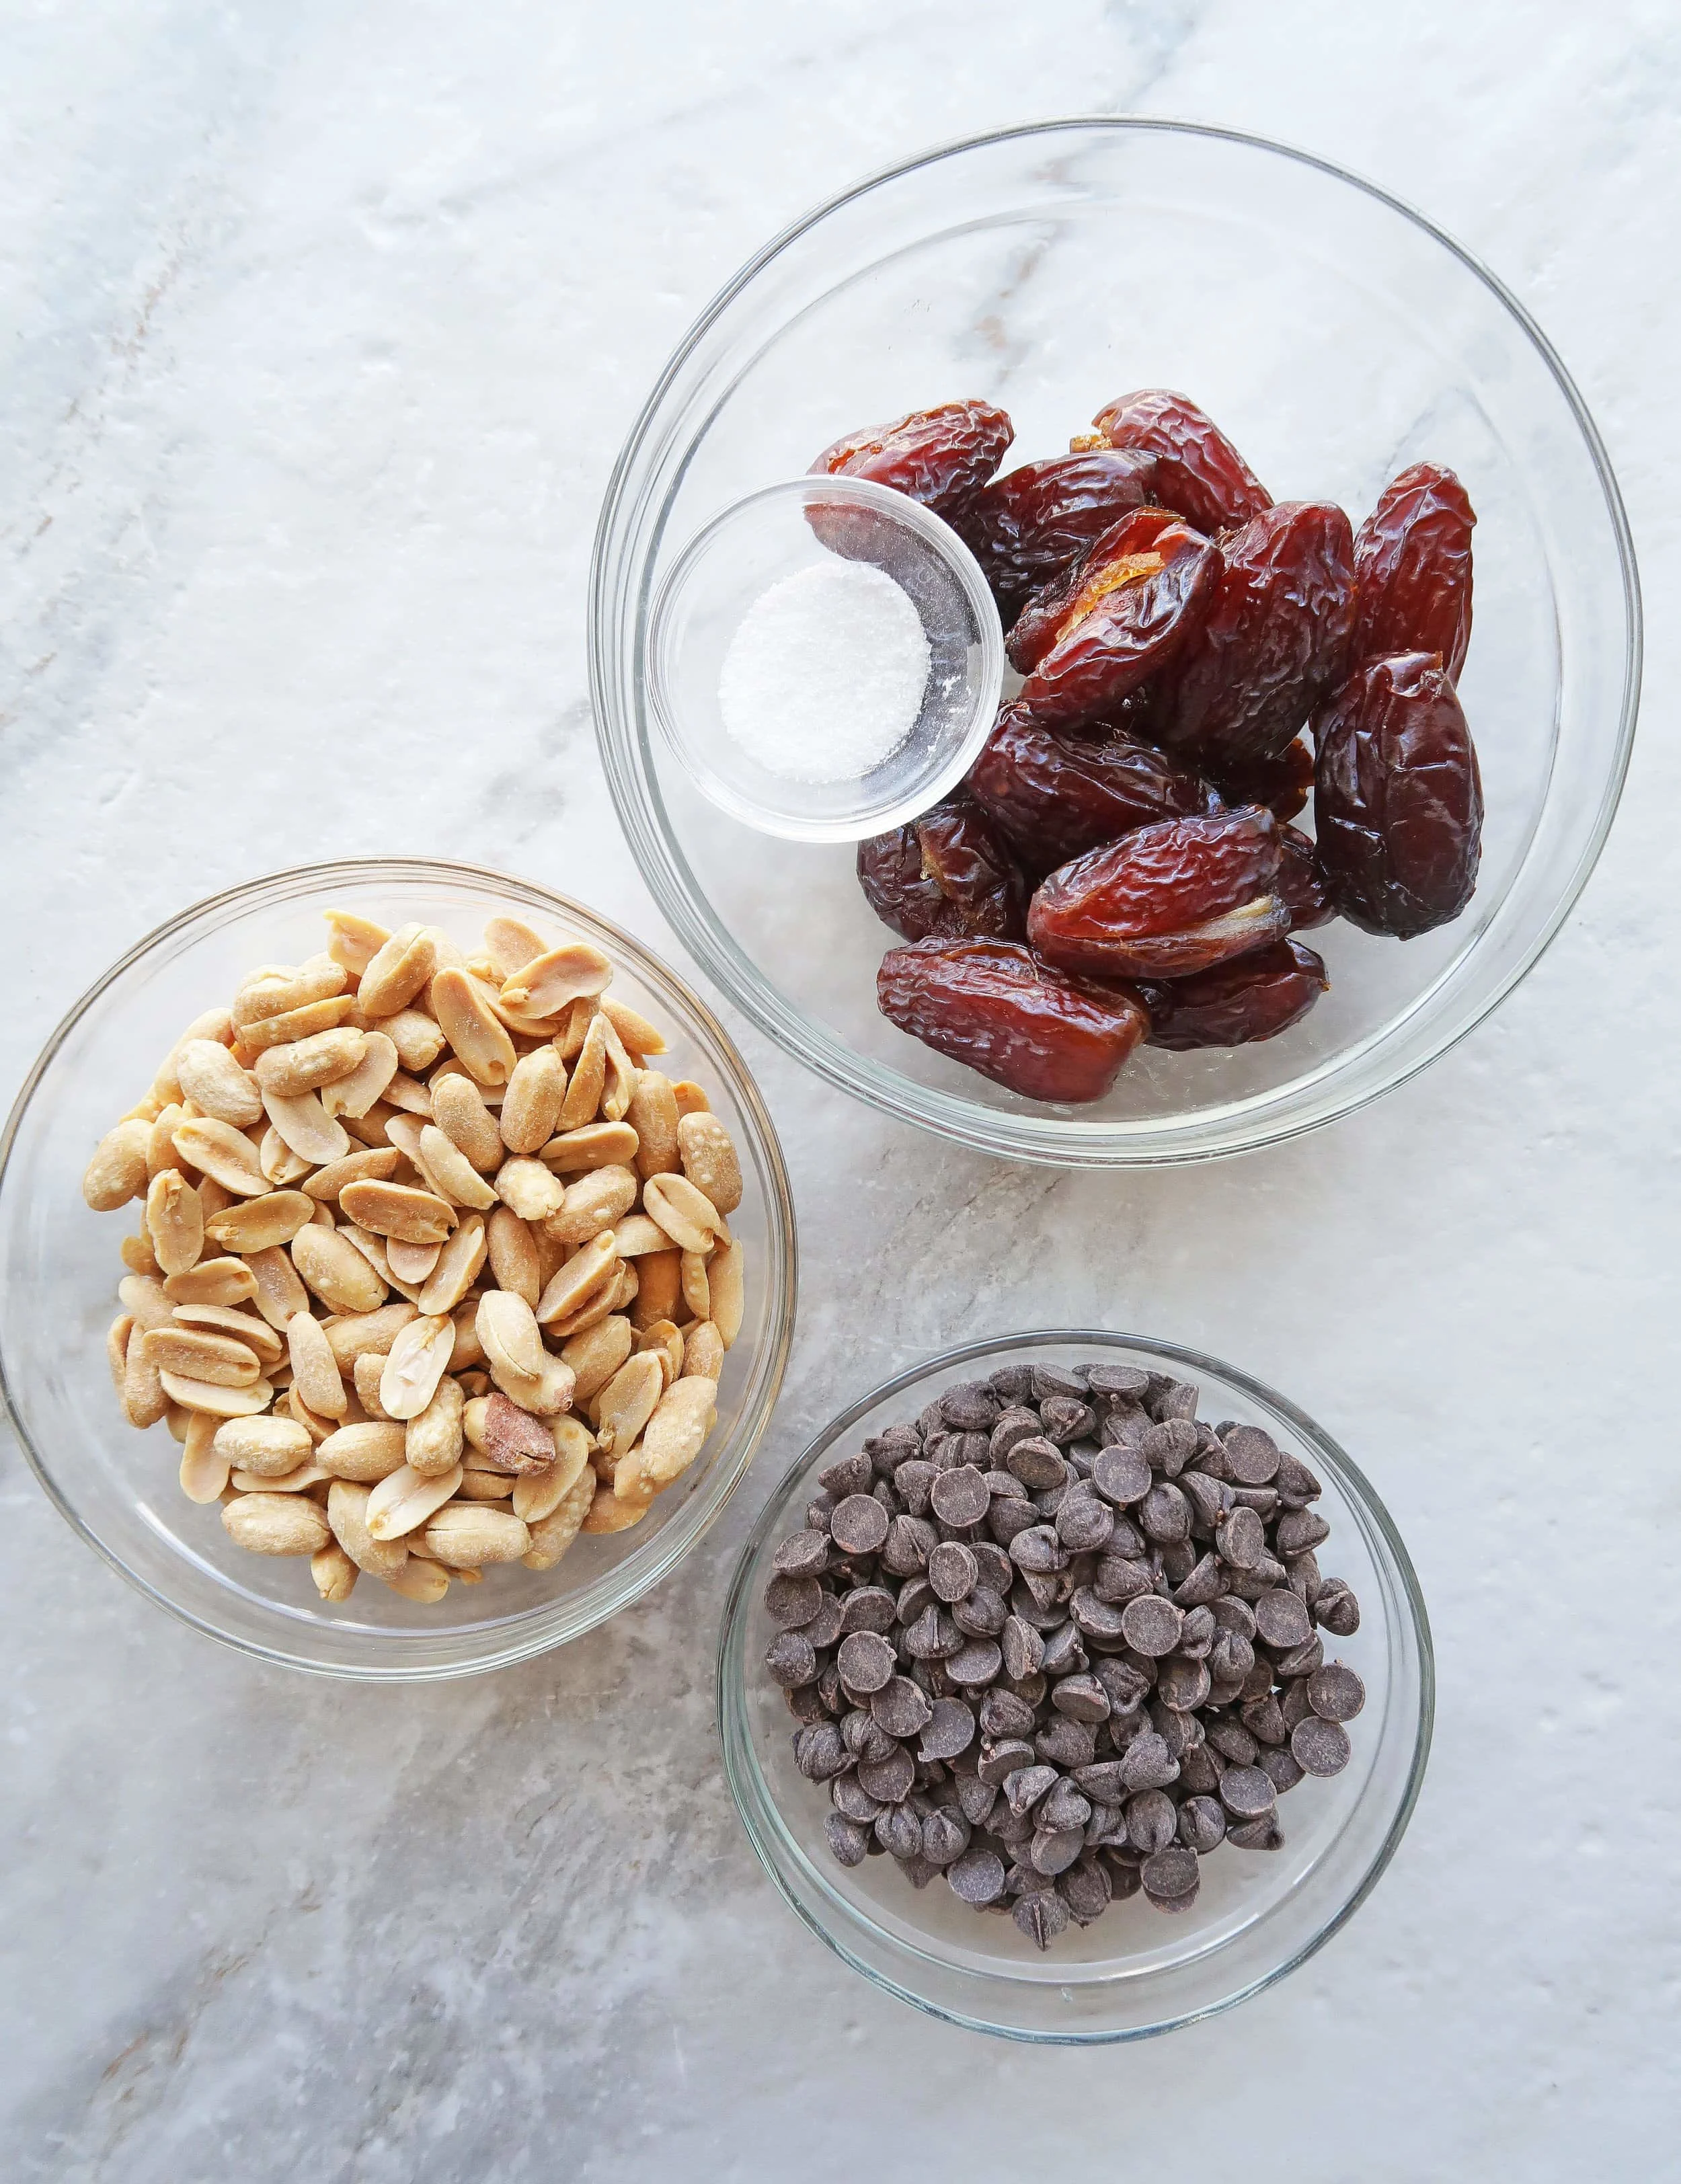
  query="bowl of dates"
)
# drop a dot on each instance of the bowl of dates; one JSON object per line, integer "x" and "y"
{"x": 1074, "y": 1684}
{"x": 1321, "y": 615}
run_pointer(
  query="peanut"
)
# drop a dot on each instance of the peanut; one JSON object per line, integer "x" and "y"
{"x": 397, "y": 970}
{"x": 451, "y": 1173}
{"x": 175, "y": 1221}
{"x": 433, "y": 1441}
{"x": 551, "y": 1536}
{"x": 457, "y": 1267}
{"x": 547, "y": 983}
{"x": 640, "y": 1036}
{"x": 528, "y": 1189}
{"x": 195, "y": 1395}
{"x": 273, "y": 1284}
{"x": 710, "y": 1160}
{"x": 219, "y": 1151}
{"x": 685, "y": 1213}
{"x": 653, "y": 1114}
{"x": 596, "y": 1354}
{"x": 214, "y": 1082}
{"x": 468, "y": 1535}
{"x": 513, "y": 1256}
{"x": 403, "y": 1501}
{"x": 459, "y": 1111}
{"x": 333, "y": 1572}
{"x": 314, "y": 1369}
{"x": 363, "y": 1087}
{"x": 472, "y": 1027}
{"x": 365, "y": 1453}
{"x": 356, "y": 941}
{"x": 594, "y": 1145}
{"x": 336, "y": 1271}
{"x": 398, "y": 1209}
{"x": 306, "y": 1126}
{"x": 348, "y": 1515}
{"x": 375, "y": 1163}
{"x": 261, "y": 1224}
{"x": 280, "y": 992}
{"x": 277, "y": 1523}
{"x": 415, "y": 1364}
{"x": 608, "y": 1513}
{"x": 592, "y": 1205}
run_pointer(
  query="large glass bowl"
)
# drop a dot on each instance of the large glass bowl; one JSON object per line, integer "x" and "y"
{"x": 1259, "y": 1914}
{"x": 60, "y": 1270}
{"x": 1337, "y": 335}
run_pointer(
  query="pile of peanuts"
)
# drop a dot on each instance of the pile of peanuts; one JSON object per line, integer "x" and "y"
{"x": 435, "y": 1270}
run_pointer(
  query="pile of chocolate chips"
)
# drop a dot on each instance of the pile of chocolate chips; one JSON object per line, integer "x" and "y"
{"x": 1056, "y": 1641}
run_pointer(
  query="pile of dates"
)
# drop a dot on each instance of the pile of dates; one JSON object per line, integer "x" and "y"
{"x": 1120, "y": 865}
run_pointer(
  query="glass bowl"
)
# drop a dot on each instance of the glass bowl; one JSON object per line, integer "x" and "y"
{"x": 1338, "y": 337}
{"x": 1259, "y": 1914}
{"x": 778, "y": 533}
{"x": 60, "y": 1270}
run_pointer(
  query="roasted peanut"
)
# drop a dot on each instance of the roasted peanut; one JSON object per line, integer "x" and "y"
{"x": 398, "y": 1209}
{"x": 336, "y": 1271}
{"x": 367, "y": 1452}
{"x": 209, "y": 1076}
{"x": 314, "y": 1369}
{"x": 401, "y": 966}
{"x": 468, "y": 1535}
{"x": 513, "y": 1254}
{"x": 459, "y": 1111}
{"x": 277, "y": 1523}
{"x": 346, "y": 1513}
{"x": 433, "y": 1440}
{"x": 451, "y": 1173}
{"x": 532, "y": 1105}
{"x": 175, "y": 1221}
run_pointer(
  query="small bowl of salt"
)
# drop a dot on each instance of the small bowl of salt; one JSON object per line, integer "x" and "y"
{"x": 825, "y": 659}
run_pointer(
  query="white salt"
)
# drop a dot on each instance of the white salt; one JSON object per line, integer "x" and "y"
{"x": 824, "y": 678}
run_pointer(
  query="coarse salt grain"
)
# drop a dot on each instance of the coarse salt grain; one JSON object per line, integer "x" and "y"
{"x": 824, "y": 678}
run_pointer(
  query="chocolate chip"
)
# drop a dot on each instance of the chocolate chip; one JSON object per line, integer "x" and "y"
{"x": 1096, "y": 1617}
{"x": 1319, "y": 1747}
{"x": 971, "y": 1407}
{"x": 1297, "y": 1485}
{"x": 953, "y": 1570}
{"x": 1023, "y": 1648}
{"x": 976, "y": 1664}
{"x": 1281, "y": 1619}
{"x": 899, "y": 1832}
{"x": 1246, "y": 1793}
{"x": 1152, "y": 1625}
{"x": 934, "y": 1637}
{"x": 820, "y": 1752}
{"x": 1085, "y": 1889}
{"x": 1119, "y": 1578}
{"x": 825, "y": 1627}
{"x": 1041, "y": 1916}
{"x": 977, "y": 1877}
{"x": 888, "y": 1780}
{"x": 1169, "y": 1447}
{"x": 1251, "y": 1455}
{"x": 1054, "y": 1850}
{"x": 1265, "y": 1721}
{"x": 1121, "y": 1476}
{"x": 961, "y": 1497}
{"x": 849, "y": 1843}
{"x": 1148, "y": 1765}
{"x": 1082, "y": 1697}
{"x": 1281, "y": 1768}
{"x": 1257, "y": 1834}
{"x": 1152, "y": 1821}
{"x": 1165, "y": 1514}
{"x": 792, "y": 1601}
{"x": 1183, "y": 1683}
{"x": 1202, "y": 1823}
{"x": 901, "y": 1707}
{"x": 1170, "y": 1875}
{"x": 950, "y": 1730}
{"x": 1066, "y": 1419}
{"x": 982, "y": 1613}
{"x": 1083, "y": 1524}
{"x": 803, "y": 1554}
{"x": 911, "y": 1482}
{"x": 1023, "y": 1789}
{"x": 976, "y": 1799}
{"x": 1125, "y": 1381}
{"x": 945, "y": 1837}
{"x": 792, "y": 1659}
{"x": 866, "y": 1661}
{"x": 1298, "y": 1530}
{"x": 1066, "y": 1742}
{"x": 910, "y": 1541}
{"x": 1241, "y": 1539}
{"x": 1336, "y": 1609}
{"x": 1038, "y": 1550}
{"x": 1335, "y": 1693}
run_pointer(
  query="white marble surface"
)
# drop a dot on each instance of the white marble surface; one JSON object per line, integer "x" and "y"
{"x": 321, "y": 327}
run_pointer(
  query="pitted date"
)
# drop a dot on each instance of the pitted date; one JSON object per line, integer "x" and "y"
{"x": 1121, "y": 555}
{"x": 1132, "y": 608}
{"x": 1274, "y": 640}
{"x": 1057, "y": 792}
{"x": 1198, "y": 471}
{"x": 947, "y": 874}
{"x": 1301, "y": 883}
{"x": 1027, "y": 528}
{"x": 1166, "y": 901}
{"x": 1412, "y": 568}
{"x": 1398, "y": 796}
{"x": 996, "y": 1007}
{"x": 939, "y": 457}
{"x": 1253, "y": 997}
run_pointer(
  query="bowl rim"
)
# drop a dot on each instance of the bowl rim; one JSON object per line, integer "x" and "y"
{"x": 1037, "y": 1137}
{"x": 759, "y": 1814}
{"x": 781, "y": 1272}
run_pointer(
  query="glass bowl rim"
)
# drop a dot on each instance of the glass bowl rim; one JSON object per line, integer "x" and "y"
{"x": 781, "y": 1272}
{"x": 945, "y": 543}
{"x": 760, "y": 1816}
{"x": 1048, "y": 1139}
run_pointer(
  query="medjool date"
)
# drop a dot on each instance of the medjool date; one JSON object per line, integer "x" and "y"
{"x": 1273, "y": 641}
{"x": 1199, "y": 473}
{"x": 1412, "y": 569}
{"x": 947, "y": 874}
{"x": 1027, "y": 528}
{"x": 940, "y": 457}
{"x": 1253, "y": 997}
{"x": 1166, "y": 901}
{"x": 1057, "y": 792}
{"x": 1131, "y": 605}
{"x": 1398, "y": 798}
{"x": 994, "y": 1006}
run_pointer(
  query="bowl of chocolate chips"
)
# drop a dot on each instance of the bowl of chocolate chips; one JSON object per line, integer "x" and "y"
{"x": 1074, "y": 1684}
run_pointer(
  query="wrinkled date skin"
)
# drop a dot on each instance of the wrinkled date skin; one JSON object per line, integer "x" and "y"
{"x": 940, "y": 457}
{"x": 1056, "y": 792}
{"x": 1027, "y": 528}
{"x": 949, "y": 874}
{"x": 995, "y": 1006}
{"x": 1253, "y": 997}
{"x": 1166, "y": 901}
{"x": 1301, "y": 884}
{"x": 1398, "y": 798}
{"x": 1275, "y": 640}
{"x": 1199, "y": 473}
{"x": 1412, "y": 569}
{"x": 1133, "y": 603}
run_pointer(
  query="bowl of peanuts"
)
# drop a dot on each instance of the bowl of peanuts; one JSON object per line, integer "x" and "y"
{"x": 453, "y": 1279}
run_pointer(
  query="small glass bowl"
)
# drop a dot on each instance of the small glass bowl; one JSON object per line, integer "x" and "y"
{"x": 1132, "y": 1973}
{"x": 1049, "y": 268}
{"x": 805, "y": 523}
{"x": 59, "y": 1270}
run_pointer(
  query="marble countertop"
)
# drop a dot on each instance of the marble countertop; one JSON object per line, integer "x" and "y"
{"x": 321, "y": 327}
